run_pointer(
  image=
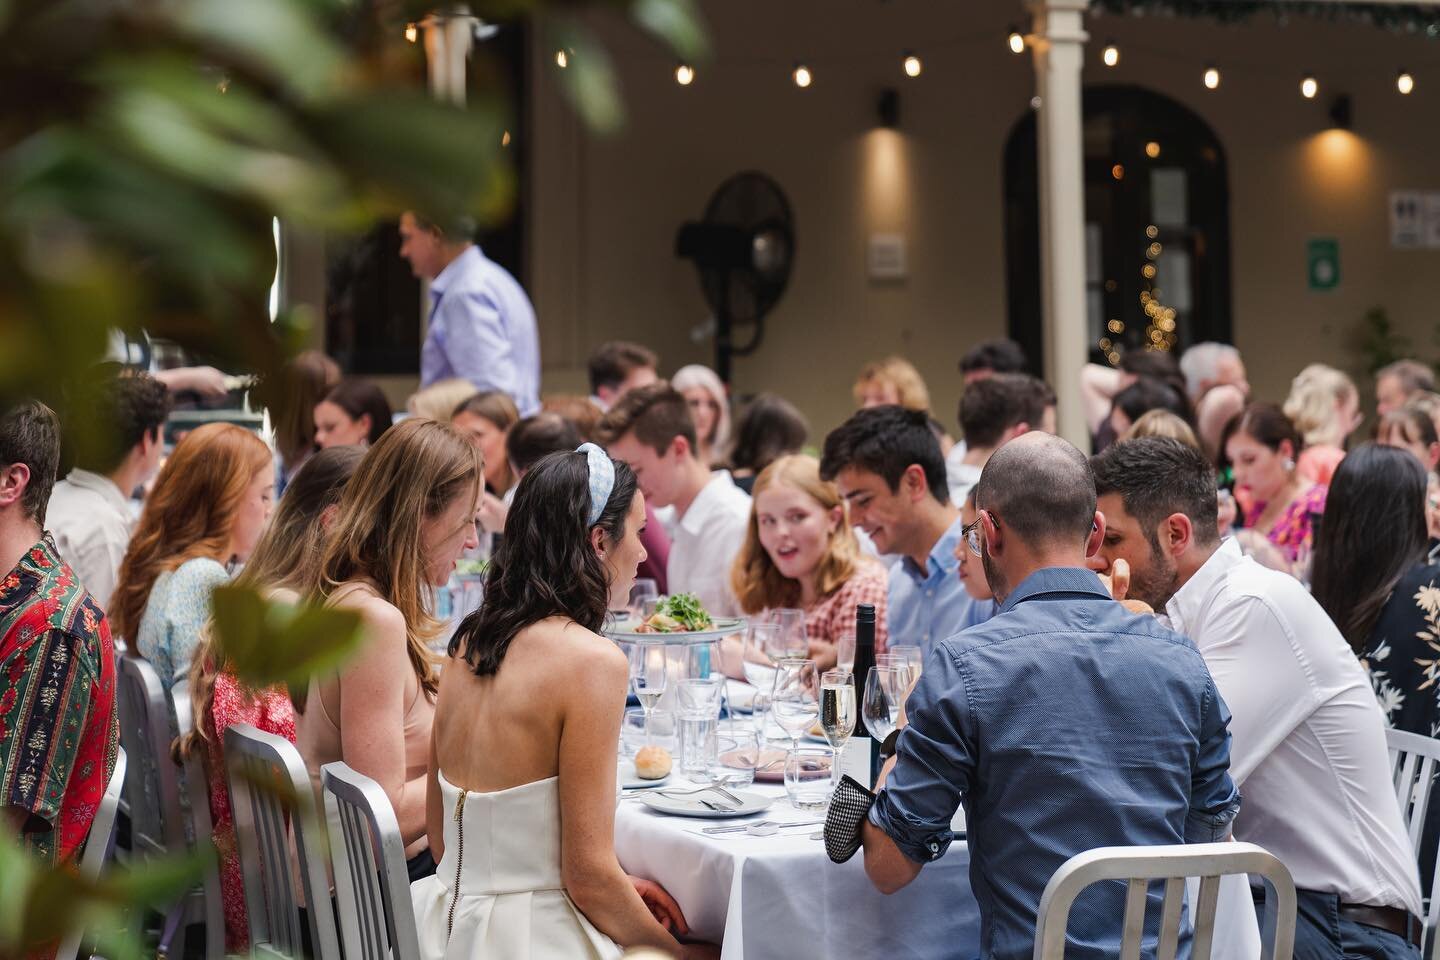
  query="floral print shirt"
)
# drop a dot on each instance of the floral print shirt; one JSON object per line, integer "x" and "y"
{"x": 1403, "y": 653}
{"x": 1294, "y": 532}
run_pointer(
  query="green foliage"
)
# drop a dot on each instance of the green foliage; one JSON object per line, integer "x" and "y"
{"x": 1377, "y": 341}
{"x": 269, "y": 643}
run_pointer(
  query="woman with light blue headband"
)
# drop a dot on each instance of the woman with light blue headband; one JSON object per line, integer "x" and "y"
{"x": 527, "y": 724}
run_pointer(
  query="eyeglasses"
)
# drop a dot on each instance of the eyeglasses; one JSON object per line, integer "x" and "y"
{"x": 971, "y": 532}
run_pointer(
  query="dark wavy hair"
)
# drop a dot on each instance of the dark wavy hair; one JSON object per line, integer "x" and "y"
{"x": 1373, "y": 533}
{"x": 545, "y": 566}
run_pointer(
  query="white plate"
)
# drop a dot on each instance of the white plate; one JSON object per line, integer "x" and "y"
{"x": 721, "y": 627}
{"x": 740, "y": 696}
{"x": 629, "y": 779}
{"x": 690, "y": 806}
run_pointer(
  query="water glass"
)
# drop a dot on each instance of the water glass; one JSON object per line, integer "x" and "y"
{"x": 845, "y": 651}
{"x": 879, "y": 706}
{"x": 757, "y": 663}
{"x": 738, "y": 749}
{"x": 794, "y": 642}
{"x": 794, "y": 700}
{"x": 807, "y": 778}
{"x": 645, "y": 589}
{"x": 699, "y": 710}
{"x": 632, "y": 731}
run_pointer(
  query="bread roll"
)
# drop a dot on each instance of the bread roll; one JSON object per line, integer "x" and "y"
{"x": 652, "y": 763}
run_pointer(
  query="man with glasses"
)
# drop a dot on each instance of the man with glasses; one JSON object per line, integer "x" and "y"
{"x": 1063, "y": 724}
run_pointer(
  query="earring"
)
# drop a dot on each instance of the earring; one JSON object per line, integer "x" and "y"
{"x": 1289, "y": 465}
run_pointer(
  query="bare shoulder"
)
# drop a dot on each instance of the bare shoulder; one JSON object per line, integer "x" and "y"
{"x": 574, "y": 654}
{"x": 382, "y": 617}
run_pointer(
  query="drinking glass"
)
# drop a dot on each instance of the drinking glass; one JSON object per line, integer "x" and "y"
{"x": 845, "y": 651}
{"x": 793, "y": 699}
{"x": 633, "y": 734}
{"x": 648, "y": 677}
{"x": 904, "y": 678}
{"x": 837, "y": 712}
{"x": 913, "y": 658}
{"x": 699, "y": 709}
{"x": 643, "y": 590}
{"x": 794, "y": 643}
{"x": 758, "y": 665}
{"x": 738, "y": 747}
{"x": 879, "y": 707}
{"x": 807, "y": 778}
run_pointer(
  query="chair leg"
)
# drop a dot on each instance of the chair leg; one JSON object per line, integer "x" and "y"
{"x": 174, "y": 923}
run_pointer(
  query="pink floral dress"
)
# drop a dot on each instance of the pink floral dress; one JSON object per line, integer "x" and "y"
{"x": 1294, "y": 532}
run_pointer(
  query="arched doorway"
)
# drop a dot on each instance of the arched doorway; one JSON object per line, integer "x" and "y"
{"x": 1157, "y": 227}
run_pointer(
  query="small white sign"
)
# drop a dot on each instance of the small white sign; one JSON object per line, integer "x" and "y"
{"x": 1407, "y": 219}
{"x": 1432, "y": 220}
{"x": 887, "y": 256}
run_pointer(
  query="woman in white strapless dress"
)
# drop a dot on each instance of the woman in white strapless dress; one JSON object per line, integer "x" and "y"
{"x": 521, "y": 800}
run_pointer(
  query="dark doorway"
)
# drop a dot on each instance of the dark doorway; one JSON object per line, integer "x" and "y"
{"x": 1157, "y": 228}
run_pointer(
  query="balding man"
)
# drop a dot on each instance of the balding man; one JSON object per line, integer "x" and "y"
{"x": 1215, "y": 378}
{"x": 1063, "y": 724}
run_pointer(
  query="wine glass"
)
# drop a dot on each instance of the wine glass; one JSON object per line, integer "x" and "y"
{"x": 795, "y": 644}
{"x": 913, "y": 657}
{"x": 845, "y": 651}
{"x": 793, "y": 700}
{"x": 903, "y": 674}
{"x": 645, "y": 589}
{"x": 648, "y": 677}
{"x": 837, "y": 714}
{"x": 879, "y": 707}
{"x": 758, "y": 664}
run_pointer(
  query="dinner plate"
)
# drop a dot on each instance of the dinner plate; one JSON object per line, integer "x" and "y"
{"x": 690, "y": 805}
{"x": 629, "y": 779}
{"x": 720, "y": 627}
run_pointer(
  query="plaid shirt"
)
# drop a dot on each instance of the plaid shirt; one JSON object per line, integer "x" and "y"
{"x": 58, "y": 729}
{"x": 830, "y": 616}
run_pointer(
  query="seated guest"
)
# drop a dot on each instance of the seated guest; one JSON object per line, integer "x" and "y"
{"x": 1100, "y": 382}
{"x": 990, "y": 357}
{"x": 1162, "y": 423}
{"x": 709, "y": 408}
{"x": 283, "y": 564}
{"x": 1218, "y": 390}
{"x": 993, "y": 410}
{"x": 541, "y": 769}
{"x": 1263, "y": 446}
{"x": 439, "y": 400}
{"x": 535, "y": 437}
{"x": 304, "y": 382}
{"x": 893, "y": 380}
{"x": 1140, "y": 398}
{"x": 887, "y": 466}
{"x": 769, "y": 428}
{"x": 582, "y": 413}
{"x": 1064, "y": 723}
{"x": 1308, "y": 741}
{"x": 485, "y": 419}
{"x": 801, "y": 551}
{"x": 207, "y": 511}
{"x": 1399, "y": 383}
{"x": 968, "y": 565}
{"x": 651, "y": 430}
{"x": 404, "y": 518}
{"x": 1325, "y": 408}
{"x": 353, "y": 413}
{"x": 1411, "y": 428}
{"x": 618, "y": 367}
{"x": 60, "y": 733}
{"x": 119, "y": 451}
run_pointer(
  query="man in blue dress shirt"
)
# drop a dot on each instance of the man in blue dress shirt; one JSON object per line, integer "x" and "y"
{"x": 887, "y": 465}
{"x": 482, "y": 325}
{"x": 1063, "y": 724}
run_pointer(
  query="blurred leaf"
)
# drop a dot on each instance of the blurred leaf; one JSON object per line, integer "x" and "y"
{"x": 271, "y": 643}
{"x": 280, "y": 37}
{"x": 677, "y": 22}
{"x": 588, "y": 78}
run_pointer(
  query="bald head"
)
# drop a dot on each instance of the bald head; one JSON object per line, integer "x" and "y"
{"x": 1040, "y": 488}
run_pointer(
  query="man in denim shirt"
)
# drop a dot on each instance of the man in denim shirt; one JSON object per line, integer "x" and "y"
{"x": 1063, "y": 724}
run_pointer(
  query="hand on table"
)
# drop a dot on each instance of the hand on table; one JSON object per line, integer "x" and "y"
{"x": 662, "y": 906}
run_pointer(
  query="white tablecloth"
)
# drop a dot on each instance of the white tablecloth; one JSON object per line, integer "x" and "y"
{"x": 781, "y": 897}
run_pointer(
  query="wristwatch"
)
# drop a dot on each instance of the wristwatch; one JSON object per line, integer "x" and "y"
{"x": 887, "y": 746}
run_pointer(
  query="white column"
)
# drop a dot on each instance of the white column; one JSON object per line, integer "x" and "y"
{"x": 1059, "y": 46}
{"x": 449, "y": 35}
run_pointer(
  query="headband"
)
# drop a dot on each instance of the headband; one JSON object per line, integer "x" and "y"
{"x": 602, "y": 479}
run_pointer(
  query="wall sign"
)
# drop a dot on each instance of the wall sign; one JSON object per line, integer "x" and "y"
{"x": 1322, "y": 256}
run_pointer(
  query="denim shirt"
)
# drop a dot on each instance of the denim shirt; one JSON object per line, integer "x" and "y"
{"x": 926, "y": 606}
{"x": 1065, "y": 723}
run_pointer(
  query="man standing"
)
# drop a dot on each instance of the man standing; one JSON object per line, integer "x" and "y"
{"x": 482, "y": 326}
{"x": 1309, "y": 743}
{"x": 1063, "y": 724}
{"x": 651, "y": 430}
{"x": 887, "y": 465}
{"x": 58, "y": 731}
{"x": 89, "y": 513}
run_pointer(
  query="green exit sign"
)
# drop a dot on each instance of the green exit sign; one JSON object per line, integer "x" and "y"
{"x": 1322, "y": 256}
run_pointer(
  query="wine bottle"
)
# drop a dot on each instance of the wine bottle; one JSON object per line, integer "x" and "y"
{"x": 864, "y": 660}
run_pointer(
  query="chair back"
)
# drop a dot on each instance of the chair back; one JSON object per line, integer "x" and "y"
{"x": 372, "y": 884}
{"x": 1414, "y": 763}
{"x": 152, "y": 796}
{"x": 269, "y": 788}
{"x": 197, "y": 786}
{"x": 99, "y": 845}
{"x": 1139, "y": 866}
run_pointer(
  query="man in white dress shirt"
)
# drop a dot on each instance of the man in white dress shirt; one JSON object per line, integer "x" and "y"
{"x": 482, "y": 325}
{"x": 89, "y": 514}
{"x": 1308, "y": 750}
{"x": 651, "y": 430}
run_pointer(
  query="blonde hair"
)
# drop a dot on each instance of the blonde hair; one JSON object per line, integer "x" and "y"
{"x": 1313, "y": 404}
{"x": 1162, "y": 423}
{"x": 896, "y": 372}
{"x": 758, "y": 585}
{"x": 696, "y": 375}
{"x": 439, "y": 400}
{"x": 411, "y": 474}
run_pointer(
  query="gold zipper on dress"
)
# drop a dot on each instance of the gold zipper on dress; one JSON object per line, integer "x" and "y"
{"x": 459, "y": 862}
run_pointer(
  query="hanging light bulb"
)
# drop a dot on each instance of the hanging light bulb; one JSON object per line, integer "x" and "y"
{"x": 1016, "y": 40}
{"x": 505, "y": 139}
{"x": 912, "y": 65}
{"x": 1111, "y": 56}
{"x": 1212, "y": 77}
{"x": 1405, "y": 83}
{"x": 684, "y": 74}
{"x": 1309, "y": 86}
{"x": 412, "y": 33}
{"x": 802, "y": 76}
{"x": 562, "y": 59}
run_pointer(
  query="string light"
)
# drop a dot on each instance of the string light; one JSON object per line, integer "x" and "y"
{"x": 802, "y": 76}
{"x": 684, "y": 74}
{"x": 1016, "y": 40}
{"x": 562, "y": 59}
{"x": 1212, "y": 77}
{"x": 1111, "y": 56}
{"x": 505, "y": 139}
{"x": 1405, "y": 83}
{"x": 412, "y": 33}
{"x": 912, "y": 65}
{"x": 1309, "y": 87}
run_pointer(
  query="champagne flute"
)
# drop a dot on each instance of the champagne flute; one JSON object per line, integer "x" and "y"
{"x": 793, "y": 700}
{"x": 845, "y": 651}
{"x": 837, "y": 714}
{"x": 648, "y": 677}
{"x": 878, "y": 707}
{"x": 795, "y": 644}
{"x": 758, "y": 665}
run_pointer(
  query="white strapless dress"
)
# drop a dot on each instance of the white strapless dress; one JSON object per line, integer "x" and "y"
{"x": 497, "y": 891}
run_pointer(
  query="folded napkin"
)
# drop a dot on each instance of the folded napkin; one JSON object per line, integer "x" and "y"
{"x": 849, "y": 806}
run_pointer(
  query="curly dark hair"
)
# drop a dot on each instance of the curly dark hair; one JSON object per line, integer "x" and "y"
{"x": 545, "y": 566}
{"x": 120, "y": 407}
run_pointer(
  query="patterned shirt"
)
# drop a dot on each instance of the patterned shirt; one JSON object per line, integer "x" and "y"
{"x": 830, "y": 616}
{"x": 1294, "y": 532}
{"x": 58, "y": 729}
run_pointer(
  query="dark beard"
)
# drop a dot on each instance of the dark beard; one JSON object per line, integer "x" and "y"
{"x": 999, "y": 586}
{"x": 1157, "y": 582}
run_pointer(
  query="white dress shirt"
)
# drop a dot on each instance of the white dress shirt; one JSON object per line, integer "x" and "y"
{"x": 90, "y": 519}
{"x": 1308, "y": 741}
{"x": 705, "y": 542}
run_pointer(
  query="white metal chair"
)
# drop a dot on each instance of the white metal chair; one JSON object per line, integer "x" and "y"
{"x": 1139, "y": 866}
{"x": 269, "y": 788}
{"x": 1414, "y": 763}
{"x": 206, "y": 906}
{"x": 99, "y": 845}
{"x": 372, "y": 885}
